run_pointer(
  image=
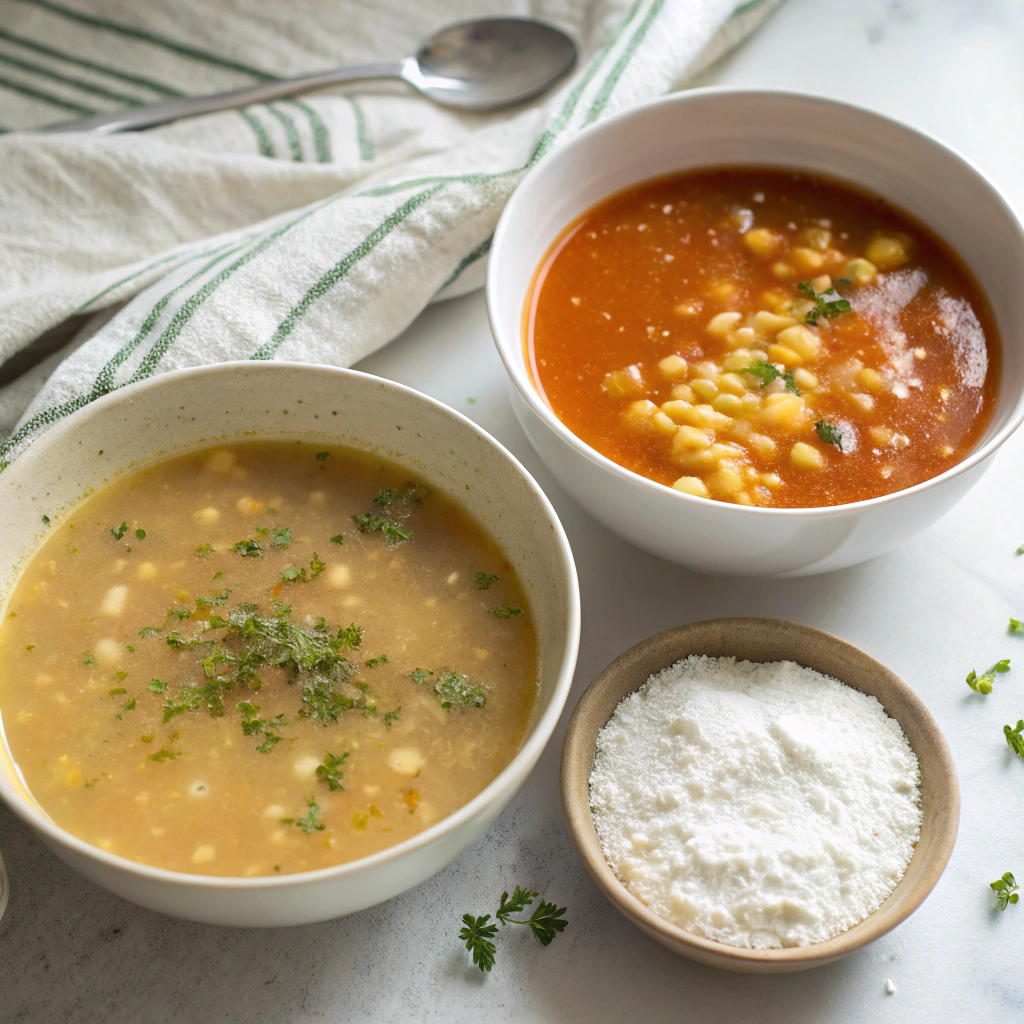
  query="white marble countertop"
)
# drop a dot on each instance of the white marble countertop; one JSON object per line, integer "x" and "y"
{"x": 71, "y": 952}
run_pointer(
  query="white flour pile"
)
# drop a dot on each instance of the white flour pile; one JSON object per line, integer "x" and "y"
{"x": 756, "y": 805}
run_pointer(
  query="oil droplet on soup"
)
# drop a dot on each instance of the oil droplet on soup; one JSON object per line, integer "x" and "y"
{"x": 264, "y": 658}
{"x": 763, "y": 337}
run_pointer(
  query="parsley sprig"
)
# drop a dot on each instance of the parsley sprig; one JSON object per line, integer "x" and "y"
{"x": 829, "y": 433}
{"x": 312, "y": 822}
{"x": 393, "y": 531}
{"x": 983, "y": 683}
{"x": 546, "y": 921}
{"x": 330, "y": 773}
{"x": 827, "y": 304}
{"x": 484, "y": 579}
{"x": 766, "y": 372}
{"x": 1006, "y": 890}
{"x": 1015, "y": 737}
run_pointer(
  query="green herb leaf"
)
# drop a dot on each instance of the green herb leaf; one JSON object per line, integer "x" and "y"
{"x": 117, "y": 690}
{"x": 829, "y": 433}
{"x": 506, "y": 612}
{"x": 329, "y": 773}
{"x": 147, "y": 631}
{"x": 452, "y": 688}
{"x": 374, "y": 662}
{"x": 163, "y": 754}
{"x": 546, "y": 921}
{"x": 1014, "y": 739}
{"x": 1016, "y": 627}
{"x": 203, "y": 550}
{"x": 394, "y": 532}
{"x": 322, "y": 458}
{"x": 337, "y": 539}
{"x": 1006, "y": 890}
{"x": 180, "y": 613}
{"x": 420, "y": 675}
{"x": 316, "y": 566}
{"x": 269, "y": 729}
{"x": 392, "y": 716}
{"x": 156, "y": 686}
{"x": 827, "y": 304}
{"x": 119, "y": 531}
{"x": 282, "y": 537}
{"x": 248, "y": 548}
{"x": 477, "y": 935}
{"x": 46, "y": 520}
{"x": 484, "y": 579}
{"x": 141, "y": 534}
{"x": 293, "y": 574}
{"x": 766, "y": 372}
{"x": 88, "y": 658}
{"x": 312, "y": 821}
{"x": 983, "y": 683}
{"x": 129, "y": 704}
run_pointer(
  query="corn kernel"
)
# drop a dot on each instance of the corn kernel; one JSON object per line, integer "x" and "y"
{"x": 944, "y": 394}
{"x": 678, "y": 411}
{"x": 691, "y": 485}
{"x": 689, "y": 439}
{"x": 707, "y": 417}
{"x": 764, "y": 242}
{"x": 673, "y": 367}
{"x": 728, "y": 404}
{"x": 703, "y": 388}
{"x": 662, "y": 424}
{"x": 706, "y": 369}
{"x": 807, "y": 260}
{"x": 742, "y": 498}
{"x": 783, "y": 354}
{"x": 724, "y": 290}
{"x": 761, "y": 443}
{"x": 802, "y": 341}
{"x": 862, "y": 401}
{"x": 783, "y": 271}
{"x": 782, "y": 410}
{"x": 738, "y": 360}
{"x": 740, "y": 338}
{"x": 869, "y": 379}
{"x": 770, "y": 323}
{"x": 723, "y": 323}
{"x": 804, "y": 379}
{"x": 946, "y": 450}
{"x": 860, "y": 271}
{"x": 773, "y": 298}
{"x": 886, "y": 253}
{"x": 880, "y": 436}
{"x": 684, "y": 393}
{"x": 803, "y": 456}
{"x": 623, "y": 383}
{"x": 770, "y": 480}
{"x": 821, "y": 283}
{"x": 731, "y": 384}
{"x": 638, "y": 413}
{"x": 817, "y": 237}
{"x": 726, "y": 481}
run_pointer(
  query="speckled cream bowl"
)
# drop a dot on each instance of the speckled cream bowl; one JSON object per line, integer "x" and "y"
{"x": 765, "y": 640}
{"x": 177, "y": 411}
{"x": 719, "y": 127}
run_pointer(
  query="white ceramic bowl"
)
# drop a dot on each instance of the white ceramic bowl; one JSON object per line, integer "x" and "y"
{"x": 715, "y": 127}
{"x": 243, "y": 401}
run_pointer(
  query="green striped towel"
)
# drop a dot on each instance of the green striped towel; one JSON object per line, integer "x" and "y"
{"x": 313, "y": 229}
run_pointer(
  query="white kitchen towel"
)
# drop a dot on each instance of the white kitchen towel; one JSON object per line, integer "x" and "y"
{"x": 313, "y": 229}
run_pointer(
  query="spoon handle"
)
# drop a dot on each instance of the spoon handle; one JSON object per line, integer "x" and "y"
{"x": 135, "y": 118}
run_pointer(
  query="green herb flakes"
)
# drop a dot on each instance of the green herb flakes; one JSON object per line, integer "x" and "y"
{"x": 329, "y": 773}
{"x": 119, "y": 531}
{"x": 163, "y": 754}
{"x": 453, "y": 689}
{"x": 827, "y": 304}
{"x": 420, "y": 675}
{"x": 311, "y": 822}
{"x": 766, "y": 372}
{"x": 282, "y": 537}
{"x": 381, "y": 659}
{"x": 269, "y": 729}
{"x": 484, "y": 579}
{"x": 338, "y": 539}
{"x": 156, "y": 686}
{"x": 1014, "y": 739}
{"x": 393, "y": 532}
{"x": 203, "y": 550}
{"x": 1005, "y": 889}
{"x": 983, "y": 683}
{"x": 248, "y": 548}
{"x": 829, "y": 433}
{"x": 506, "y": 612}
{"x": 140, "y": 534}
{"x": 88, "y": 658}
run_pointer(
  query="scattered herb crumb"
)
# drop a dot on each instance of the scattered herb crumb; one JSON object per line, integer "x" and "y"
{"x": 282, "y": 537}
{"x": 983, "y": 683}
{"x": 766, "y": 372}
{"x": 329, "y": 773}
{"x": 420, "y": 675}
{"x": 393, "y": 532}
{"x": 203, "y": 550}
{"x": 337, "y": 539}
{"x": 46, "y": 520}
{"x": 88, "y": 658}
{"x": 1006, "y": 890}
{"x": 484, "y": 579}
{"x": 119, "y": 531}
{"x": 453, "y": 688}
{"x": 322, "y": 458}
{"x": 1014, "y": 739}
{"x": 827, "y": 304}
{"x": 381, "y": 659}
{"x": 141, "y": 534}
{"x": 392, "y": 716}
{"x": 163, "y": 754}
{"x": 506, "y": 612}
{"x": 248, "y": 548}
{"x": 311, "y": 822}
{"x": 829, "y": 433}
{"x": 156, "y": 686}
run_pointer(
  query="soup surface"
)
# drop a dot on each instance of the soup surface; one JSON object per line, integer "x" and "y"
{"x": 763, "y": 337}
{"x": 263, "y": 658}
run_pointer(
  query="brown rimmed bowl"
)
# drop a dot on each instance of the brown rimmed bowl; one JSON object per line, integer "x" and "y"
{"x": 765, "y": 640}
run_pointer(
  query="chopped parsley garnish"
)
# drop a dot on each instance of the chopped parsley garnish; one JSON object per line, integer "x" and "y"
{"x": 140, "y": 534}
{"x": 316, "y": 566}
{"x": 484, "y": 579}
{"x": 163, "y": 754}
{"x": 248, "y": 548}
{"x": 149, "y": 631}
{"x": 1020, "y": 550}
{"x": 453, "y": 688}
{"x": 329, "y": 773}
{"x": 88, "y": 658}
{"x": 217, "y": 599}
{"x": 119, "y": 676}
{"x": 203, "y": 550}
{"x": 309, "y": 824}
{"x": 269, "y": 729}
{"x": 322, "y": 458}
{"x": 420, "y": 675}
{"x": 381, "y": 659}
{"x": 506, "y": 612}
{"x": 400, "y": 495}
{"x": 282, "y": 537}
{"x": 394, "y": 532}
{"x": 314, "y": 658}
{"x": 546, "y": 921}
{"x": 983, "y": 683}
{"x": 156, "y": 686}
{"x": 829, "y": 433}
{"x": 1006, "y": 890}
{"x": 129, "y": 648}
{"x": 392, "y": 716}
{"x": 293, "y": 573}
{"x": 827, "y": 304}
{"x": 1016, "y": 627}
{"x": 766, "y": 372}
{"x": 180, "y": 613}
{"x": 46, "y": 520}
{"x": 117, "y": 690}
{"x": 218, "y": 575}
{"x": 119, "y": 531}
{"x": 147, "y": 739}
{"x": 1014, "y": 739}
{"x": 338, "y": 539}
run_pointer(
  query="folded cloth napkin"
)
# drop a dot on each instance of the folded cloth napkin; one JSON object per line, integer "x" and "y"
{"x": 313, "y": 229}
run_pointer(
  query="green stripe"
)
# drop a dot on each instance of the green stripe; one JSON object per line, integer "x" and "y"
{"x": 148, "y": 37}
{"x": 49, "y": 51}
{"x": 125, "y": 280}
{"x": 78, "y": 83}
{"x": 605, "y": 92}
{"x": 38, "y": 94}
{"x": 367, "y": 150}
{"x": 478, "y": 253}
{"x": 321, "y": 136}
{"x": 340, "y": 270}
{"x": 261, "y": 133}
{"x": 290, "y": 132}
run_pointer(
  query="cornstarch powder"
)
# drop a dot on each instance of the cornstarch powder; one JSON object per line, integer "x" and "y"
{"x": 758, "y": 805}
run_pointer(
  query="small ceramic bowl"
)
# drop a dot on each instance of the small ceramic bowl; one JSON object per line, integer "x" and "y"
{"x": 736, "y": 127}
{"x": 765, "y": 640}
{"x": 177, "y": 411}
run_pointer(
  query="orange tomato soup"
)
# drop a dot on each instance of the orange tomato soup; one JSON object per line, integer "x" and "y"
{"x": 764, "y": 337}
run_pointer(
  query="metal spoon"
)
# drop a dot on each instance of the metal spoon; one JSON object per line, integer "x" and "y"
{"x": 478, "y": 65}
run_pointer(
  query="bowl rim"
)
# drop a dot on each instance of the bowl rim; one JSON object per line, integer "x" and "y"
{"x": 530, "y": 750}
{"x": 507, "y": 344}
{"x": 578, "y": 754}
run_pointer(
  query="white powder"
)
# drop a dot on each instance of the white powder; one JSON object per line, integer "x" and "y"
{"x": 756, "y": 805}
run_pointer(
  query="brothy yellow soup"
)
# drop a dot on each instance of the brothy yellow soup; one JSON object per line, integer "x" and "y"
{"x": 263, "y": 658}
